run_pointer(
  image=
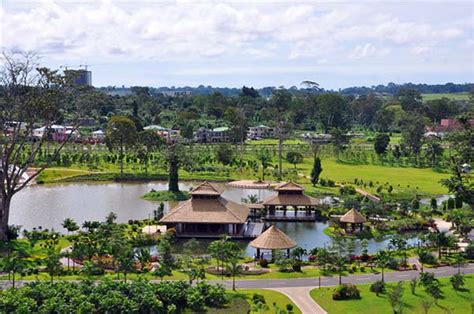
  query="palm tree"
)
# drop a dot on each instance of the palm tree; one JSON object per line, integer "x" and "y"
{"x": 264, "y": 157}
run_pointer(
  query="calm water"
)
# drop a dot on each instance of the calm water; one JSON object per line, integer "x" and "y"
{"x": 49, "y": 205}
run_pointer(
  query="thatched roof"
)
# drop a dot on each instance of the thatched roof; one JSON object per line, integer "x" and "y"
{"x": 291, "y": 200}
{"x": 289, "y": 186}
{"x": 273, "y": 239}
{"x": 353, "y": 216}
{"x": 206, "y": 188}
{"x": 213, "y": 210}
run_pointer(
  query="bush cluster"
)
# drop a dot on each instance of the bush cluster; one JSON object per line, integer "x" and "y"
{"x": 346, "y": 292}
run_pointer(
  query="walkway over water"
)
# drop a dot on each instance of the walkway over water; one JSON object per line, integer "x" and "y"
{"x": 254, "y": 229}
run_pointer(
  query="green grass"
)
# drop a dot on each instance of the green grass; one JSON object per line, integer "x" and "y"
{"x": 453, "y": 96}
{"x": 454, "y": 301}
{"x": 271, "y": 296}
{"x": 166, "y": 196}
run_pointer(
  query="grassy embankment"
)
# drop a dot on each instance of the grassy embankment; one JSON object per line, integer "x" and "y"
{"x": 453, "y": 96}
{"x": 453, "y": 301}
{"x": 403, "y": 179}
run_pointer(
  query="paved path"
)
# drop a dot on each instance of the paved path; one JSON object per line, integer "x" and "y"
{"x": 334, "y": 280}
{"x": 300, "y": 296}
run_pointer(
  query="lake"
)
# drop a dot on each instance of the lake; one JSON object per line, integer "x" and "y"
{"x": 49, "y": 205}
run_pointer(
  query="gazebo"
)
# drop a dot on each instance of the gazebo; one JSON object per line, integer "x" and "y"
{"x": 273, "y": 239}
{"x": 354, "y": 218}
{"x": 207, "y": 214}
{"x": 290, "y": 195}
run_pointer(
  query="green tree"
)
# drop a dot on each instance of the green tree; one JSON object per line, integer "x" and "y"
{"x": 413, "y": 129}
{"x": 395, "y": 297}
{"x": 126, "y": 262}
{"x": 383, "y": 259}
{"x": 53, "y": 263}
{"x": 224, "y": 154}
{"x": 263, "y": 155}
{"x": 12, "y": 264}
{"x": 32, "y": 95}
{"x": 316, "y": 171}
{"x": 457, "y": 281}
{"x": 381, "y": 142}
{"x": 121, "y": 134}
{"x": 294, "y": 158}
{"x": 148, "y": 142}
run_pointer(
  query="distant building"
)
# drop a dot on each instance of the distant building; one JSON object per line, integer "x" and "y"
{"x": 57, "y": 133}
{"x": 98, "y": 136}
{"x": 80, "y": 77}
{"x": 445, "y": 126}
{"x": 217, "y": 135}
{"x": 260, "y": 132}
{"x": 170, "y": 135}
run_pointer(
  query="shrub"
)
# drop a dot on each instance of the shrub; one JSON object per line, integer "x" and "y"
{"x": 289, "y": 308}
{"x": 263, "y": 263}
{"x": 457, "y": 281}
{"x": 346, "y": 292}
{"x": 258, "y": 298}
{"x": 378, "y": 287}
{"x": 470, "y": 251}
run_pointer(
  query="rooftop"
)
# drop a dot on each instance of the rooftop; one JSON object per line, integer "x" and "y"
{"x": 353, "y": 216}
{"x": 273, "y": 239}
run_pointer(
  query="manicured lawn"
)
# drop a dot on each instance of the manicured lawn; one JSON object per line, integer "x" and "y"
{"x": 454, "y": 96}
{"x": 454, "y": 301}
{"x": 271, "y": 296}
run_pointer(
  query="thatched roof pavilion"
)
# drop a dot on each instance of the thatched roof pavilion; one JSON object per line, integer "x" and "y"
{"x": 290, "y": 194}
{"x": 207, "y": 213}
{"x": 354, "y": 218}
{"x": 273, "y": 239}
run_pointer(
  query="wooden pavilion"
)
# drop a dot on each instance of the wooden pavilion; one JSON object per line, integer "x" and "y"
{"x": 354, "y": 219}
{"x": 290, "y": 197}
{"x": 273, "y": 239}
{"x": 207, "y": 214}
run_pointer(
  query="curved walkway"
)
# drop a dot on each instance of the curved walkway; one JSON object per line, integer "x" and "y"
{"x": 302, "y": 299}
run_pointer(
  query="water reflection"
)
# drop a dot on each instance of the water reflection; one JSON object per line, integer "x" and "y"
{"x": 49, "y": 205}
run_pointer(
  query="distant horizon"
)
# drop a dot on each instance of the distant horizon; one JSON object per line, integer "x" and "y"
{"x": 275, "y": 86}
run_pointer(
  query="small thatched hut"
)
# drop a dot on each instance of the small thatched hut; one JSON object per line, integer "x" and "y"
{"x": 354, "y": 219}
{"x": 273, "y": 239}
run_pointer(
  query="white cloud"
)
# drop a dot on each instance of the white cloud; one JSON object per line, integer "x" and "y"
{"x": 230, "y": 32}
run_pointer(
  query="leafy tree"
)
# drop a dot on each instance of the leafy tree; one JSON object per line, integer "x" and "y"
{"x": 413, "y": 128}
{"x": 224, "y": 154}
{"x": 294, "y": 158}
{"x": 316, "y": 171}
{"x": 457, "y": 281}
{"x": 410, "y": 100}
{"x": 70, "y": 225}
{"x": 280, "y": 101}
{"x": 12, "y": 264}
{"x": 126, "y": 262}
{"x": 378, "y": 287}
{"x": 333, "y": 111}
{"x": 381, "y": 143}
{"x": 31, "y": 95}
{"x": 383, "y": 259}
{"x": 148, "y": 142}
{"x": 395, "y": 297}
{"x": 121, "y": 134}
{"x": 53, "y": 263}
{"x": 434, "y": 150}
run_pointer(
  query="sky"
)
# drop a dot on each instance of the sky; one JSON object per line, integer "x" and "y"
{"x": 236, "y": 43}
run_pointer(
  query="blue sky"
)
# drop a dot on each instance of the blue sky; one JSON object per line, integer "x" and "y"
{"x": 166, "y": 43}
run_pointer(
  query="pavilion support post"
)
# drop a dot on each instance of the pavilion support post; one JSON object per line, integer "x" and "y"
{"x": 296, "y": 210}
{"x": 284, "y": 211}
{"x": 258, "y": 254}
{"x": 288, "y": 253}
